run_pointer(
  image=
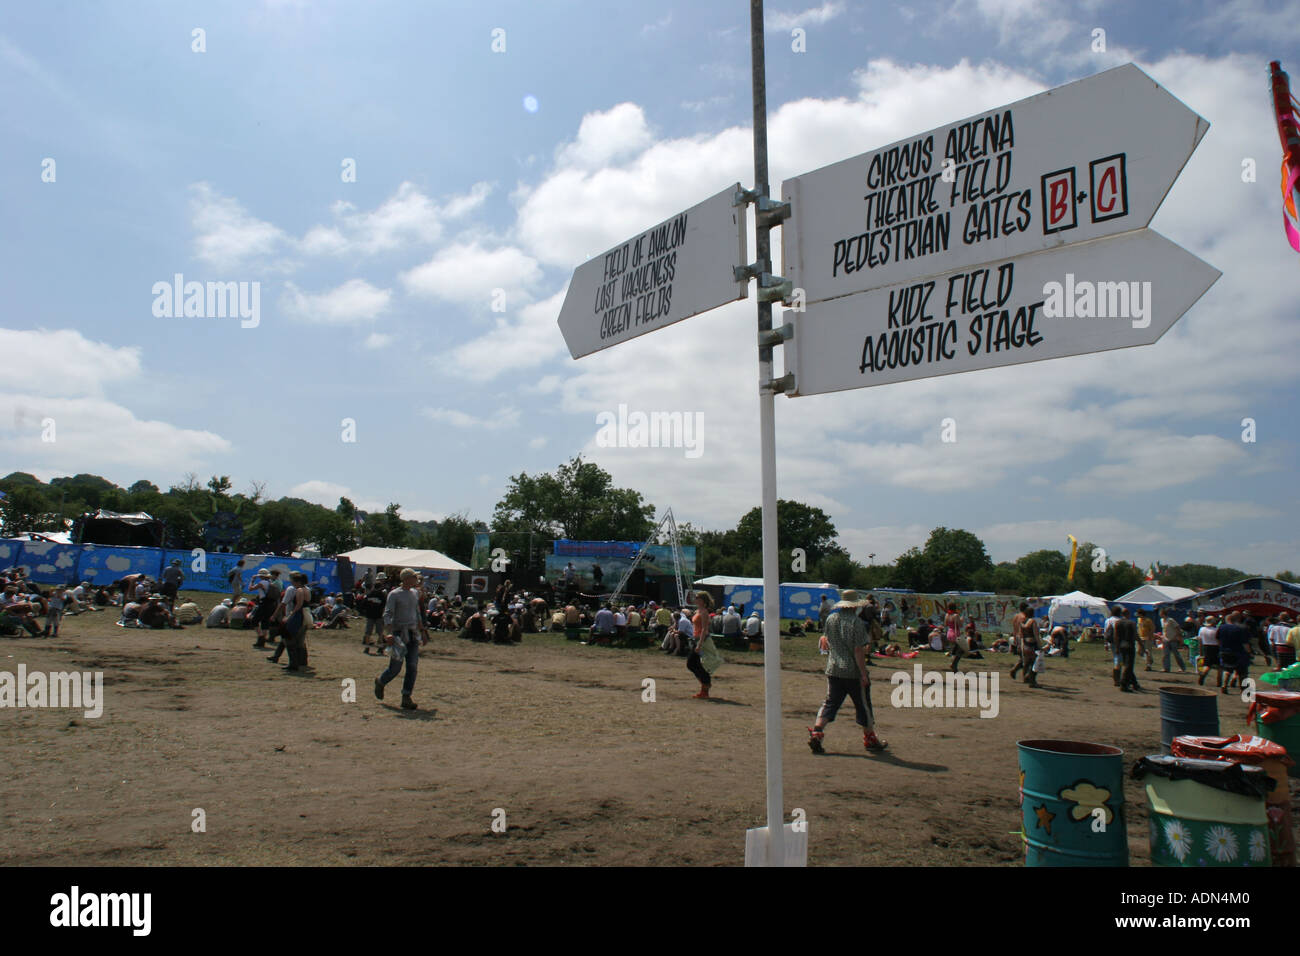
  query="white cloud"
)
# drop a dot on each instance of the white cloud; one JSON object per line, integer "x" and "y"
{"x": 507, "y": 417}
{"x": 783, "y": 21}
{"x": 320, "y": 492}
{"x": 55, "y": 414}
{"x": 378, "y": 340}
{"x": 538, "y": 442}
{"x": 606, "y": 137}
{"x": 354, "y": 301}
{"x": 227, "y": 236}
{"x": 470, "y": 274}
{"x": 526, "y": 341}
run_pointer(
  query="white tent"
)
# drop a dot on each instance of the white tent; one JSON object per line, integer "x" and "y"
{"x": 1155, "y": 594}
{"x": 1076, "y": 606}
{"x": 436, "y": 567}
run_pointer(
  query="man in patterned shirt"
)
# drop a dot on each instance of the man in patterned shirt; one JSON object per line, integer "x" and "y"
{"x": 846, "y": 640}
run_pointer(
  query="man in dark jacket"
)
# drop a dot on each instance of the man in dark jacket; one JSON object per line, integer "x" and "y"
{"x": 1126, "y": 639}
{"x": 372, "y": 609}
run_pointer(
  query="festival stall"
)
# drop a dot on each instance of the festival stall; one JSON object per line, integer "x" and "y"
{"x": 1260, "y": 597}
{"x": 434, "y": 566}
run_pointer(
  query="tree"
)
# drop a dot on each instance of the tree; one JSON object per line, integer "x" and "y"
{"x": 456, "y": 537}
{"x": 579, "y": 501}
{"x": 219, "y": 485}
{"x": 26, "y": 508}
{"x": 797, "y": 526}
{"x": 952, "y": 560}
{"x": 334, "y": 534}
{"x": 142, "y": 487}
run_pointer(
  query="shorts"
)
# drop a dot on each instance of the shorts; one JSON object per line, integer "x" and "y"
{"x": 1210, "y": 654}
{"x": 169, "y": 590}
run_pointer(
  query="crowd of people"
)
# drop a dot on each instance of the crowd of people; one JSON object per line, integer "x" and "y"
{"x": 400, "y": 609}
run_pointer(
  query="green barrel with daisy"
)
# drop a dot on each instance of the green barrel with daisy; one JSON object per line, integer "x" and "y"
{"x": 1205, "y": 812}
{"x": 1072, "y": 803}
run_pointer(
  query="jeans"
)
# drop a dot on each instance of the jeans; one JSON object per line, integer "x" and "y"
{"x": 406, "y": 647}
{"x": 1172, "y": 648}
{"x": 374, "y": 625}
{"x": 837, "y": 688}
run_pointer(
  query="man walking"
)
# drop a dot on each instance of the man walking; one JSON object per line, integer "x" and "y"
{"x": 1173, "y": 638}
{"x": 1017, "y": 644}
{"x": 236, "y": 581}
{"x": 402, "y": 620}
{"x": 846, "y": 640}
{"x": 1126, "y": 641}
{"x": 172, "y": 579}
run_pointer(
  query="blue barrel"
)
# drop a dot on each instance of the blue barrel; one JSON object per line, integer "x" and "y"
{"x": 1072, "y": 803}
{"x": 1187, "y": 711}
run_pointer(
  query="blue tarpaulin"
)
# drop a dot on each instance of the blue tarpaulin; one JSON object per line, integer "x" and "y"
{"x": 49, "y": 563}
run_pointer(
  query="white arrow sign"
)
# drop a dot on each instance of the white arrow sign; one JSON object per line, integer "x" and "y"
{"x": 1089, "y": 159}
{"x": 679, "y": 268}
{"x": 1108, "y": 294}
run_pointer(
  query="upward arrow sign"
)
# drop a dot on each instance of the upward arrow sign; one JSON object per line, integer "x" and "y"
{"x": 1090, "y": 159}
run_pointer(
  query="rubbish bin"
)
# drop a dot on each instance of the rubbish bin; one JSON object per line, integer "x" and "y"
{"x": 1205, "y": 812}
{"x": 1072, "y": 803}
{"x": 1187, "y": 710}
{"x": 1255, "y": 751}
{"x": 1275, "y": 715}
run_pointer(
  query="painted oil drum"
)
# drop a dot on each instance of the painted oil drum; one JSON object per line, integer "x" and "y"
{"x": 1072, "y": 803}
{"x": 1276, "y": 717}
{"x": 1194, "y": 823}
{"x": 1187, "y": 711}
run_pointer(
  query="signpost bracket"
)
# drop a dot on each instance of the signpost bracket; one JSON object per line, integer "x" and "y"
{"x": 773, "y": 288}
{"x": 778, "y": 336}
{"x": 745, "y": 273}
{"x": 770, "y": 212}
{"x": 743, "y": 197}
{"x": 777, "y": 385}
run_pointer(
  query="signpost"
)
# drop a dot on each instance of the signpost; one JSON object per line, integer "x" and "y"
{"x": 1013, "y": 236}
{"x": 1106, "y": 294}
{"x": 1089, "y": 159}
{"x": 681, "y": 267}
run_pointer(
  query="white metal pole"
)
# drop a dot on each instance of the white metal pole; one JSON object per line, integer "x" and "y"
{"x": 767, "y": 452}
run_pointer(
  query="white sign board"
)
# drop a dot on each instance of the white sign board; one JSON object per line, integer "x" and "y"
{"x": 794, "y": 845}
{"x": 1108, "y": 294}
{"x": 1089, "y": 159}
{"x": 678, "y": 268}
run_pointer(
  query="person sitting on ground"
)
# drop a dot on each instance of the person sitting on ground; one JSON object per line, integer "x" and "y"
{"x": 241, "y": 614}
{"x": 189, "y": 613}
{"x": 501, "y": 625}
{"x": 731, "y": 627}
{"x": 754, "y": 628}
{"x": 154, "y": 613}
{"x": 219, "y": 616}
{"x": 130, "y": 615}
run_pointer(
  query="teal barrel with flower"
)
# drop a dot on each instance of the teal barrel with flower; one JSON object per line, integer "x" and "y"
{"x": 1072, "y": 803}
{"x": 1206, "y": 812}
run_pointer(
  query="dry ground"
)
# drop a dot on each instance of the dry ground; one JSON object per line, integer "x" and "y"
{"x": 554, "y": 733}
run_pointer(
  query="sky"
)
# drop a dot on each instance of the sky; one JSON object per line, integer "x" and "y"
{"x": 411, "y": 185}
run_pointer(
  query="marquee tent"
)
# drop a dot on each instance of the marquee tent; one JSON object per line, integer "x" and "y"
{"x": 1077, "y": 608}
{"x": 436, "y": 567}
{"x": 1150, "y": 596}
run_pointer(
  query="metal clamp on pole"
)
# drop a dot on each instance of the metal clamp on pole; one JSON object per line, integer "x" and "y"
{"x": 773, "y": 288}
{"x": 743, "y": 197}
{"x": 770, "y": 212}
{"x": 745, "y": 273}
{"x": 777, "y": 385}
{"x": 777, "y": 336}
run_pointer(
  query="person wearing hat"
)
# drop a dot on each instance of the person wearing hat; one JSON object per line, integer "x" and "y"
{"x": 846, "y": 638}
{"x": 172, "y": 579}
{"x": 1208, "y": 636}
{"x": 219, "y": 616}
{"x": 402, "y": 621}
{"x": 1283, "y": 653}
{"x": 268, "y": 592}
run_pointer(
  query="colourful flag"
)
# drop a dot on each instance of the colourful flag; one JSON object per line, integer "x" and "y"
{"x": 1074, "y": 553}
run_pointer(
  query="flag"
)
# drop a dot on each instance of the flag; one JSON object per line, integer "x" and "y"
{"x": 1287, "y": 114}
{"x": 1074, "y": 553}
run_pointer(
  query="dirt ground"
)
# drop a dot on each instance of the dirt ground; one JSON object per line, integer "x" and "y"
{"x": 554, "y": 733}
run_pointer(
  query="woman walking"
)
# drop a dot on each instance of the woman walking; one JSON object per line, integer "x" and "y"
{"x": 704, "y": 658}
